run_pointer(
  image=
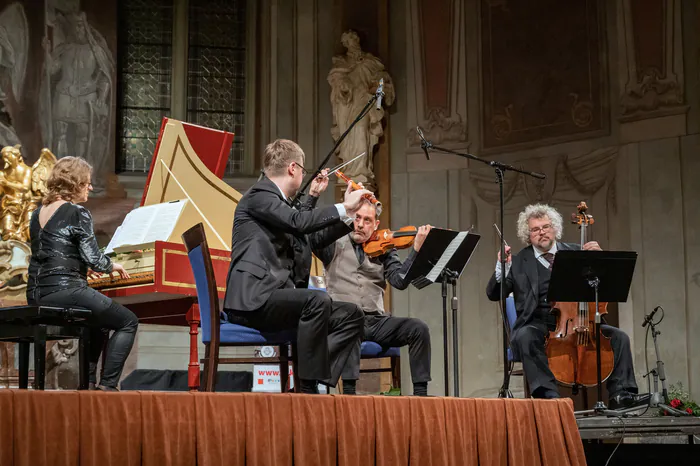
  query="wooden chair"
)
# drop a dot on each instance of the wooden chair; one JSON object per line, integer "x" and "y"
{"x": 218, "y": 332}
{"x": 372, "y": 350}
{"x": 39, "y": 324}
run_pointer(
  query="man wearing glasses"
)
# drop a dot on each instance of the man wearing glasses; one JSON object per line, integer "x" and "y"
{"x": 265, "y": 285}
{"x": 527, "y": 277}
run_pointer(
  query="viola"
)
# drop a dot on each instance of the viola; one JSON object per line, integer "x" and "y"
{"x": 571, "y": 347}
{"x": 355, "y": 187}
{"x": 383, "y": 241}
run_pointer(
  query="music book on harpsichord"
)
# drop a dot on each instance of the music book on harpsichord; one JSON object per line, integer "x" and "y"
{"x": 143, "y": 226}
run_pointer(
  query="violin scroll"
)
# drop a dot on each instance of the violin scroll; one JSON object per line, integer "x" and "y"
{"x": 355, "y": 187}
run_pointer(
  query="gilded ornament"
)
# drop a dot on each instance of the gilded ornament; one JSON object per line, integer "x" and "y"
{"x": 21, "y": 188}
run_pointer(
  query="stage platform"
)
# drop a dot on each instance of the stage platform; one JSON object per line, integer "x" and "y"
{"x": 601, "y": 427}
{"x": 164, "y": 428}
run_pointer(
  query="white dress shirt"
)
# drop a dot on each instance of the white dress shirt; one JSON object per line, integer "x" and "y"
{"x": 539, "y": 255}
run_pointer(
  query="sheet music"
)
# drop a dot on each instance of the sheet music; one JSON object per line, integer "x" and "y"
{"x": 446, "y": 256}
{"x": 112, "y": 242}
{"x": 147, "y": 224}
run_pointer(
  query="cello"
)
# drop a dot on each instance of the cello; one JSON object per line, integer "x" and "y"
{"x": 571, "y": 347}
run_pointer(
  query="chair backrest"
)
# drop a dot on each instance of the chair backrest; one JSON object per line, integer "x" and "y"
{"x": 200, "y": 260}
{"x": 510, "y": 311}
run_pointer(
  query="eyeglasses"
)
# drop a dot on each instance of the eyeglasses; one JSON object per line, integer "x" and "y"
{"x": 304, "y": 171}
{"x": 536, "y": 230}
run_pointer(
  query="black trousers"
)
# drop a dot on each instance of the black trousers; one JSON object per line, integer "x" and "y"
{"x": 106, "y": 315}
{"x": 389, "y": 331}
{"x": 327, "y": 330}
{"x": 528, "y": 346}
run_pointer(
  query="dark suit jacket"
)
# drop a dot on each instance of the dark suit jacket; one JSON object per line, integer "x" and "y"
{"x": 266, "y": 231}
{"x": 522, "y": 282}
{"x": 303, "y": 245}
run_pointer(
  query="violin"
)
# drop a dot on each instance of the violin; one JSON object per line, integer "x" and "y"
{"x": 383, "y": 241}
{"x": 355, "y": 187}
{"x": 571, "y": 347}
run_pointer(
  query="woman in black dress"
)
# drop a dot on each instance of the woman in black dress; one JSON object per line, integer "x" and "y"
{"x": 64, "y": 251}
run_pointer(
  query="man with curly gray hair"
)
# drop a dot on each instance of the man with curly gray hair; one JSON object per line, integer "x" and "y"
{"x": 527, "y": 277}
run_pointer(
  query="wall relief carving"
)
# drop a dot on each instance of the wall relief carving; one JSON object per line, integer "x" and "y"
{"x": 554, "y": 95}
{"x": 568, "y": 176}
{"x": 438, "y": 78}
{"x": 651, "y": 50}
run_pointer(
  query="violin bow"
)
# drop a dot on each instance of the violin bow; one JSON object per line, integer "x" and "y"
{"x": 500, "y": 234}
{"x": 338, "y": 167}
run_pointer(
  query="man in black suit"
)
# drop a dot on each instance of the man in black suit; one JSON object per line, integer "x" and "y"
{"x": 527, "y": 277}
{"x": 266, "y": 289}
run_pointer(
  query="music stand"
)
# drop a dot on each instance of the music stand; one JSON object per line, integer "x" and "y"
{"x": 442, "y": 258}
{"x": 592, "y": 276}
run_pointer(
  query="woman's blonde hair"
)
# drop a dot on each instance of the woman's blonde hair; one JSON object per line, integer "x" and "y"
{"x": 68, "y": 177}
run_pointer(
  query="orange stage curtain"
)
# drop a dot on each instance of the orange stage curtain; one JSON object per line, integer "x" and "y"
{"x": 168, "y": 429}
{"x": 314, "y": 431}
{"x": 356, "y": 430}
{"x": 110, "y": 428}
{"x": 393, "y": 429}
{"x": 6, "y": 428}
{"x": 160, "y": 428}
{"x": 461, "y": 429}
{"x": 268, "y": 420}
{"x": 46, "y": 428}
{"x": 220, "y": 428}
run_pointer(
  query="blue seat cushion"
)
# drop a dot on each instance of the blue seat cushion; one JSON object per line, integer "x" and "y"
{"x": 234, "y": 333}
{"x": 370, "y": 349}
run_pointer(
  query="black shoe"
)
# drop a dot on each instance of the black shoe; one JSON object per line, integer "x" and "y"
{"x": 625, "y": 399}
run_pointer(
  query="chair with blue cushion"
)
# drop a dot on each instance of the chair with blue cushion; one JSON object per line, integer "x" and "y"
{"x": 512, "y": 316}
{"x": 370, "y": 349}
{"x": 218, "y": 332}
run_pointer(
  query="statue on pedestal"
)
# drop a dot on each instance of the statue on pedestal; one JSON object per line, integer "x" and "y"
{"x": 354, "y": 79}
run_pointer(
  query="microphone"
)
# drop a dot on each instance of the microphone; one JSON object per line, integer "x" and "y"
{"x": 380, "y": 93}
{"x": 425, "y": 145}
{"x": 648, "y": 318}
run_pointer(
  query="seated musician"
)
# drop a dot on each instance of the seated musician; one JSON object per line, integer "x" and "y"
{"x": 352, "y": 276}
{"x": 527, "y": 277}
{"x": 64, "y": 249}
{"x": 262, "y": 290}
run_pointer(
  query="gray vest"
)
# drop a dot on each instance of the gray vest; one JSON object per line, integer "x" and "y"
{"x": 362, "y": 284}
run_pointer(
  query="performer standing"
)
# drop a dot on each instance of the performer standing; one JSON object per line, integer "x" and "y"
{"x": 352, "y": 276}
{"x": 527, "y": 277}
{"x": 262, "y": 290}
{"x": 64, "y": 248}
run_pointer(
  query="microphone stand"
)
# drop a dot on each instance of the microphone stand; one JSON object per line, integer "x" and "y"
{"x": 500, "y": 169}
{"x": 296, "y": 202}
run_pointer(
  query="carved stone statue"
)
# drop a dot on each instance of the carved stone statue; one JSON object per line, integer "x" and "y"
{"x": 80, "y": 86}
{"x": 21, "y": 188}
{"x": 354, "y": 79}
{"x": 14, "y": 45}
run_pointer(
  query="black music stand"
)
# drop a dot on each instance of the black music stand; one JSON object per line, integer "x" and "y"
{"x": 592, "y": 276}
{"x": 442, "y": 258}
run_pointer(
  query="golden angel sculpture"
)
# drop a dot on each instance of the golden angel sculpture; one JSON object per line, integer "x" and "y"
{"x": 21, "y": 188}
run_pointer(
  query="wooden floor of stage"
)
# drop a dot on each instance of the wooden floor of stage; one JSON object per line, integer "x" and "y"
{"x": 175, "y": 428}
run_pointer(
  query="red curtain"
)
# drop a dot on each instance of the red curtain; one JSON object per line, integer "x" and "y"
{"x": 161, "y": 428}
